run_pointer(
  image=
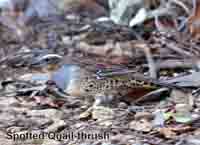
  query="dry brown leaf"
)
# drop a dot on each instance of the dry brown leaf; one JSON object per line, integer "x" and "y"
{"x": 194, "y": 22}
{"x": 171, "y": 132}
{"x": 167, "y": 132}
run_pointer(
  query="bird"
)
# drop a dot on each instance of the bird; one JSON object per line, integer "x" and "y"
{"x": 79, "y": 76}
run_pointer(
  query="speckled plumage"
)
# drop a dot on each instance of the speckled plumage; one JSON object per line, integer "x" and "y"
{"x": 77, "y": 81}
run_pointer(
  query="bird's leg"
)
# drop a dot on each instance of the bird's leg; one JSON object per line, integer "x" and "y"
{"x": 101, "y": 99}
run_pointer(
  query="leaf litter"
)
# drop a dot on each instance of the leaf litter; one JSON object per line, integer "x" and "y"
{"x": 32, "y": 50}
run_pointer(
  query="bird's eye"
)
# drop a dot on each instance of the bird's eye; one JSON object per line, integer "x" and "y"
{"x": 91, "y": 85}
